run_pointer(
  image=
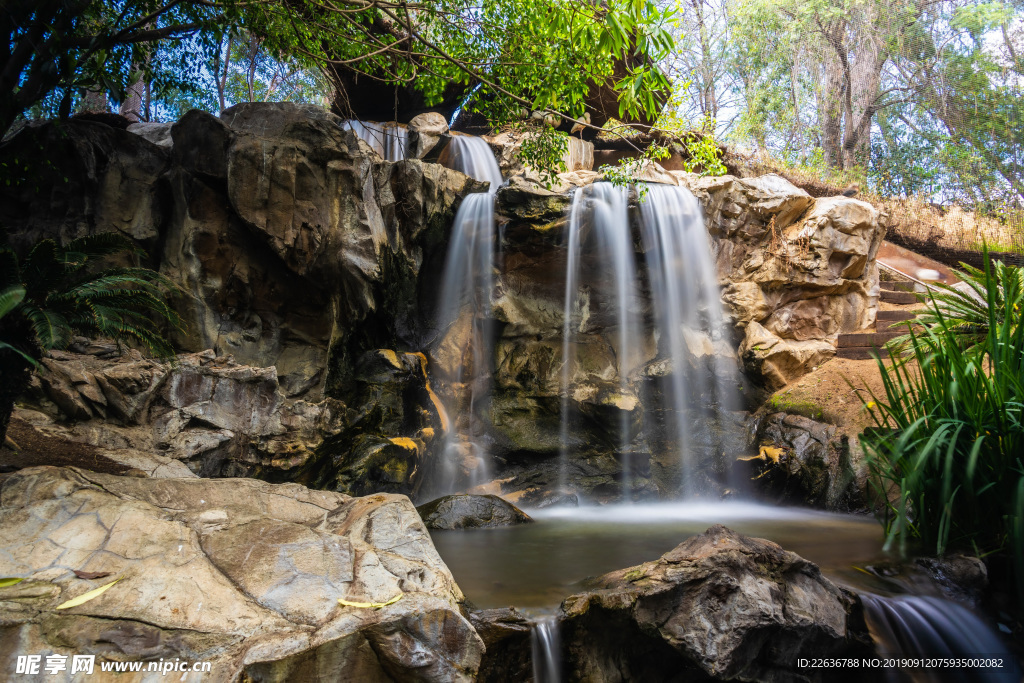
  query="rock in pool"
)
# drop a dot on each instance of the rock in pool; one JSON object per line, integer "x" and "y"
{"x": 470, "y": 512}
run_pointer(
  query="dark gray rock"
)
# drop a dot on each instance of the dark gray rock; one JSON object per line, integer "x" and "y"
{"x": 470, "y": 512}
{"x": 813, "y": 468}
{"x": 720, "y": 606}
{"x": 506, "y": 635}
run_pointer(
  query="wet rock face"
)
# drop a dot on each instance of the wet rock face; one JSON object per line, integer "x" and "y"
{"x": 805, "y": 462}
{"x": 470, "y": 512}
{"x": 395, "y": 421}
{"x": 720, "y": 606}
{"x": 289, "y": 237}
{"x": 241, "y": 573}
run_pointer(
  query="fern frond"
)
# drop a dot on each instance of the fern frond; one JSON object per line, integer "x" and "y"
{"x": 51, "y": 328}
{"x": 10, "y": 298}
{"x": 102, "y": 244}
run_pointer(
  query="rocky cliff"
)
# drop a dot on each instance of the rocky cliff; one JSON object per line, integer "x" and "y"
{"x": 309, "y": 270}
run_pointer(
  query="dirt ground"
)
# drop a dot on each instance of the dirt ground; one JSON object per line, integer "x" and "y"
{"x": 36, "y": 449}
{"x": 825, "y": 395}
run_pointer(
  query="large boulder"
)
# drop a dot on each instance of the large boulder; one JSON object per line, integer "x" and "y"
{"x": 802, "y": 269}
{"x": 239, "y": 573}
{"x": 720, "y": 606}
{"x": 466, "y": 511}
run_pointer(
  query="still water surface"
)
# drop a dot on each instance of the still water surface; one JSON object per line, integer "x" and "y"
{"x": 535, "y": 566}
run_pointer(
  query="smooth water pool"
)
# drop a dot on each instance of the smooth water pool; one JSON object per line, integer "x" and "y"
{"x": 535, "y": 566}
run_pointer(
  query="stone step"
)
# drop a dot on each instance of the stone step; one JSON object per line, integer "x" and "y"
{"x": 866, "y": 339}
{"x": 893, "y": 316}
{"x": 892, "y": 297}
{"x": 893, "y": 286}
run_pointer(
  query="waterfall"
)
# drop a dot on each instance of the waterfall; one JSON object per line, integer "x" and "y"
{"x": 689, "y": 320}
{"x": 474, "y": 157}
{"x": 694, "y": 367}
{"x": 599, "y": 224}
{"x": 546, "y": 648}
{"x": 465, "y": 324}
{"x": 912, "y": 626}
{"x": 387, "y": 139}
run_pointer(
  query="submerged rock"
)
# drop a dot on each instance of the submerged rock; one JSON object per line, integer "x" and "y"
{"x": 720, "y": 606}
{"x": 239, "y": 573}
{"x": 470, "y": 512}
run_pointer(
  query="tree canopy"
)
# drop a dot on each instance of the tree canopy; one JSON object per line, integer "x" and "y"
{"x": 506, "y": 54}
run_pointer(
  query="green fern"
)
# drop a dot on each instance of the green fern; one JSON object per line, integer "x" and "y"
{"x": 10, "y": 298}
{"x": 67, "y": 291}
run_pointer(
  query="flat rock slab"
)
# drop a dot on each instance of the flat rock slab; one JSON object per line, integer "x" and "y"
{"x": 240, "y": 573}
{"x": 470, "y": 512}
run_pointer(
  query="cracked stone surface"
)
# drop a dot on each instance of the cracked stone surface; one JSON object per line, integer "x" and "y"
{"x": 719, "y": 606}
{"x": 241, "y": 573}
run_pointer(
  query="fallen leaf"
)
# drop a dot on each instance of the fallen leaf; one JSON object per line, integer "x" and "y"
{"x": 86, "y": 597}
{"x": 4, "y": 583}
{"x": 771, "y": 453}
{"x": 91, "y": 575}
{"x": 766, "y": 453}
{"x": 370, "y": 605}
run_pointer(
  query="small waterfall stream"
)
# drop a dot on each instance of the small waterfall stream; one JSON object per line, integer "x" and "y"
{"x": 694, "y": 365}
{"x": 688, "y": 316}
{"x": 599, "y": 218}
{"x": 546, "y": 648}
{"x": 463, "y": 310}
{"x": 389, "y": 140}
{"x": 914, "y": 627}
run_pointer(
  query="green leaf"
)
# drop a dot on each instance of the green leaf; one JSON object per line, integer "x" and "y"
{"x": 86, "y": 597}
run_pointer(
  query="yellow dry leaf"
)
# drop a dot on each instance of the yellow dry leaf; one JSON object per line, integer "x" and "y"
{"x": 370, "y": 605}
{"x": 86, "y": 597}
{"x": 405, "y": 442}
{"x": 4, "y": 583}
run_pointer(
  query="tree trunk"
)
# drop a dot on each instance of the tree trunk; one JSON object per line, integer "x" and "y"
{"x": 132, "y": 107}
{"x": 830, "y": 112}
{"x": 94, "y": 102}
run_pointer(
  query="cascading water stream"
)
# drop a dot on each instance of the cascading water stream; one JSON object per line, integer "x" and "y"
{"x": 474, "y": 157}
{"x": 599, "y": 223}
{"x": 694, "y": 365}
{"x": 913, "y": 626}
{"x": 689, "y": 318}
{"x": 546, "y": 648}
{"x": 389, "y": 140}
{"x": 464, "y": 306}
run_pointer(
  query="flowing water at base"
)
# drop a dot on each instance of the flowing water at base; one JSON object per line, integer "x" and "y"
{"x": 535, "y": 566}
{"x": 916, "y": 628}
{"x": 546, "y": 648}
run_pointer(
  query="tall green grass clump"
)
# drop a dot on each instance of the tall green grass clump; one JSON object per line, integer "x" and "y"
{"x": 948, "y": 454}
